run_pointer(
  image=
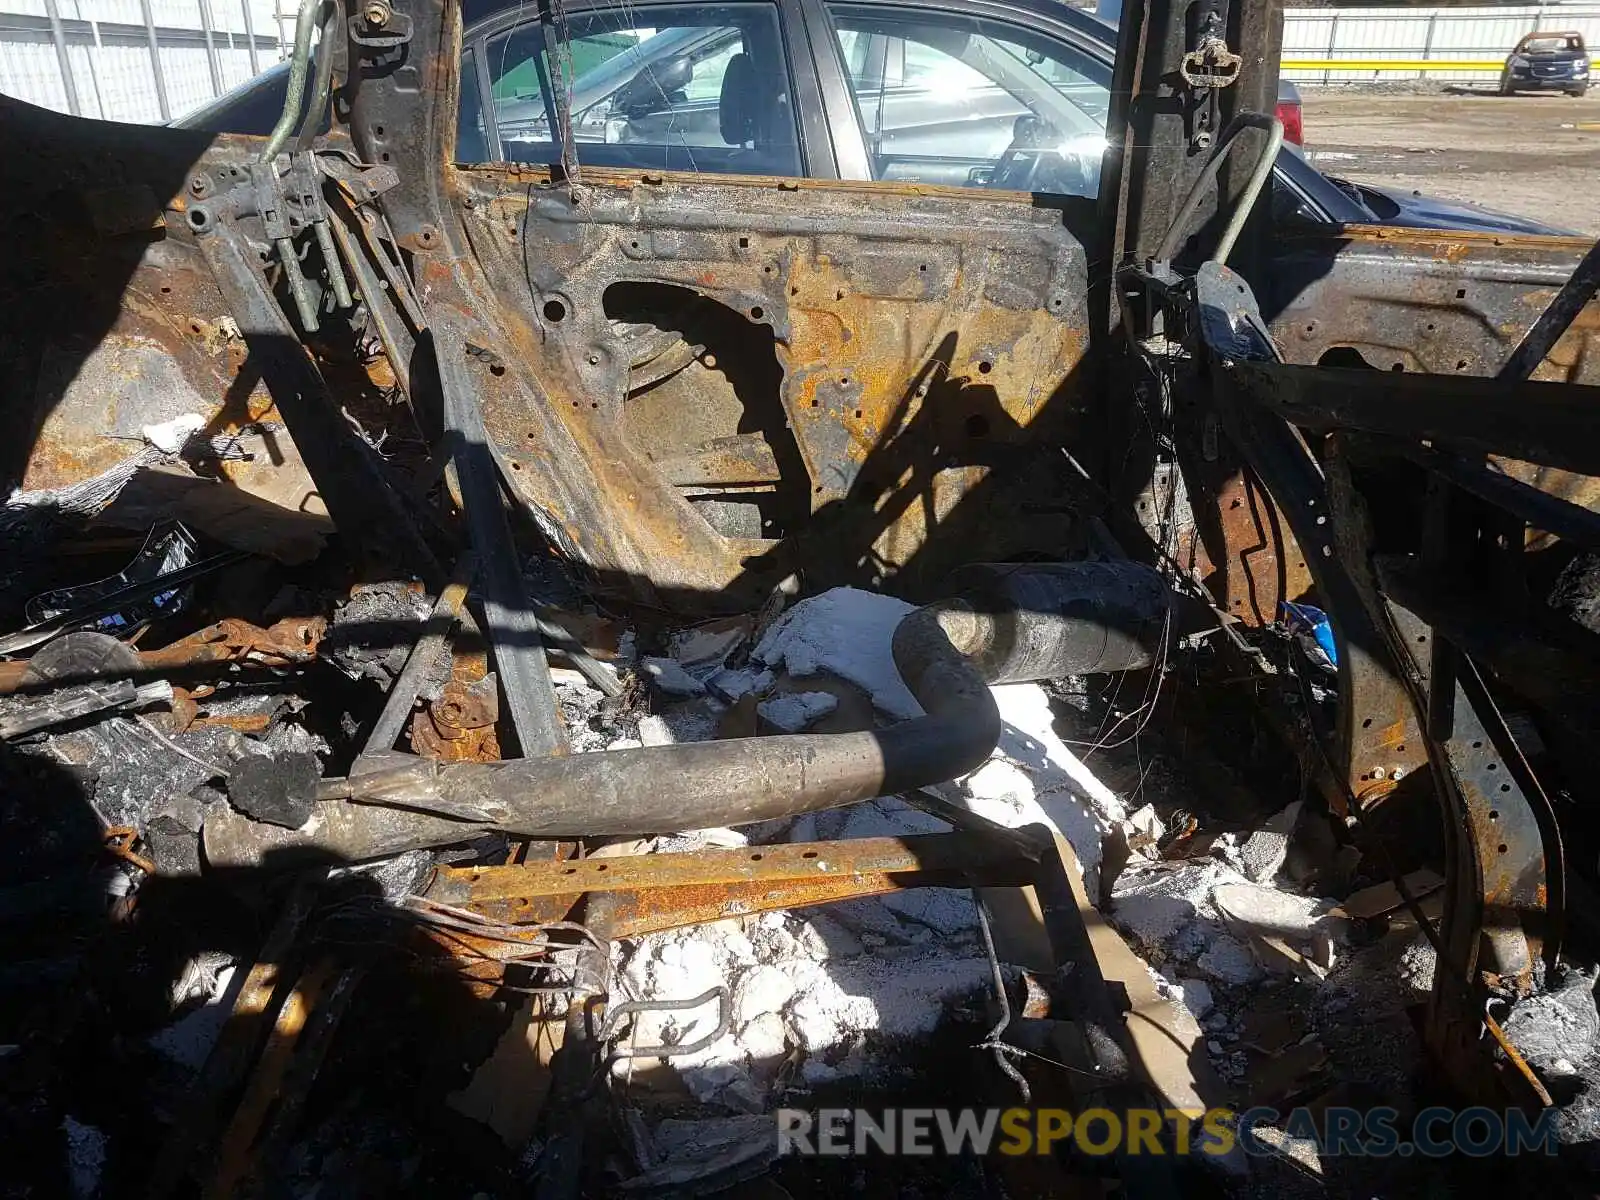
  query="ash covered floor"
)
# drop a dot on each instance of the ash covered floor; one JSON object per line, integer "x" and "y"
{"x": 1290, "y": 964}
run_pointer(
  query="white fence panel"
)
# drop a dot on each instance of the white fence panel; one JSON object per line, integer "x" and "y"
{"x": 1405, "y": 36}
{"x": 201, "y": 49}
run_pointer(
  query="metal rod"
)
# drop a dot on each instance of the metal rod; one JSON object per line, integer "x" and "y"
{"x": 297, "y": 284}
{"x": 446, "y": 610}
{"x": 330, "y": 259}
{"x": 250, "y": 37}
{"x": 322, "y": 81}
{"x": 155, "y": 59}
{"x": 59, "y": 37}
{"x": 1537, "y": 343}
{"x": 1258, "y": 178}
{"x": 94, "y": 75}
{"x": 212, "y": 61}
{"x": 295, "y": 93}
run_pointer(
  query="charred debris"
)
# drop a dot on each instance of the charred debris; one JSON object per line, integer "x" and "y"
{"x": 498, "y": 660}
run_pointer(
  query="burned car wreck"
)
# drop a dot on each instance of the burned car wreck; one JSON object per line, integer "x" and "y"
{"x": 461, "y": 537}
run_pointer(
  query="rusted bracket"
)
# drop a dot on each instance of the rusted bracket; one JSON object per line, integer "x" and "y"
{"x": 365, "y": 509}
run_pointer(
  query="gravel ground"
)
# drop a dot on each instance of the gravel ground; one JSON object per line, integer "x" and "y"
{"x": 1534, "y": 155}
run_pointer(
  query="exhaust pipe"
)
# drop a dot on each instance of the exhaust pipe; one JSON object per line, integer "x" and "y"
{"x": 1081, "y": 618}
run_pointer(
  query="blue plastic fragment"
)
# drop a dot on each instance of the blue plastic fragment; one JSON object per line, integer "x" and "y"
{"x": 1307, "y": 618}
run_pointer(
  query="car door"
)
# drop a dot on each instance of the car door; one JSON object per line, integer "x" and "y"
{"x": 705, "y": 363}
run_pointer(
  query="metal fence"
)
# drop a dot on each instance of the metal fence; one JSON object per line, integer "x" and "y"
{"x": 1405, "y": 38}
{"x": 135, "y": 60}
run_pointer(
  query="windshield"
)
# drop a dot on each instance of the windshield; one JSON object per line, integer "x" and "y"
{"x": 1553, "y": 45}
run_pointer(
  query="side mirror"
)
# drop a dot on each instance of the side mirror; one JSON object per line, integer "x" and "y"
{"x": 651, "y": 89}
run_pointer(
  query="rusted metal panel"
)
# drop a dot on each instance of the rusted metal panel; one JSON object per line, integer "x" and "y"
{"x": 1425, "y": 300}
{"x": 916, "y": 366}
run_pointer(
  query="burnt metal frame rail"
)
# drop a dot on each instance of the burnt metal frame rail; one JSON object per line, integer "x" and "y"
{"x": 1408, "y": 680}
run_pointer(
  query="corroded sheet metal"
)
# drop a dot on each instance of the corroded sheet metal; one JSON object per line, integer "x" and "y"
{"x": 1425, "y": 300}
{"x": 917, "y": 367}
{"x": 114, "y": 322}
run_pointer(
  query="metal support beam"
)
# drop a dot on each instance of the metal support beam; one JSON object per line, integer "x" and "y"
{"x": 58, "y": 36}
{"x": 211, "y": 47}
{"x": 155, "y": 59}
{"x": 250, "y": 37}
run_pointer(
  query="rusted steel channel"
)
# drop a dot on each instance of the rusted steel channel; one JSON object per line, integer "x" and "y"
{"x": 652, "y": 892}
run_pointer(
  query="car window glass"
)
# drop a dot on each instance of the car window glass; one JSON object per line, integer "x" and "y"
{"x": 951, "y": 99}
{"x": 691, "y": 88}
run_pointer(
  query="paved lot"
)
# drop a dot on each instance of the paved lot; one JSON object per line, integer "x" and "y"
{"x": 1535, "y": 155}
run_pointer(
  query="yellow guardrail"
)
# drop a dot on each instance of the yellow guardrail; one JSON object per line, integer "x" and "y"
{"x": 1390, "y": 64}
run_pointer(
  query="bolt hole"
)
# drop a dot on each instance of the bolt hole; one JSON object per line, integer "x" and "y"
{"x": 1422, "y": 639}
{"x": 1494, "y": 814}
{"x": 633, "y": 245}
{"x": 744, "y": 243}
{"x": 554, "y": 311}
{"x": 1461, "y": 364}
{"x": 757, "y": 312}
{"x": 757, "y": 857}
{"x": 1461, "y": 293}
{"x": 1400, "y": 749}
{"x": 1366, "y": 723}
{"x": 383, "y": 157}
{"x": 985, "y": 367}
{"x": 858, "y": 414}
{"x": 1505, "y": 787}
{"x": 1503, "y": 848}
{"x": 766, "y": 270}
{"x": 194, "y": 327}
{"x": 922, "y": 266}
{"x": 1477, "y": 745}
{"x": 497, "y": 369}
{"x": 377, "y": 131}
{"x": 1399, "y": 366}
{"x": 516, "y": 466}
{"x": 809, "y": 854}
{"x": 1492, "y": 767}
{"x": 166, "y": 291}
{"x": 1235, "y": 503}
